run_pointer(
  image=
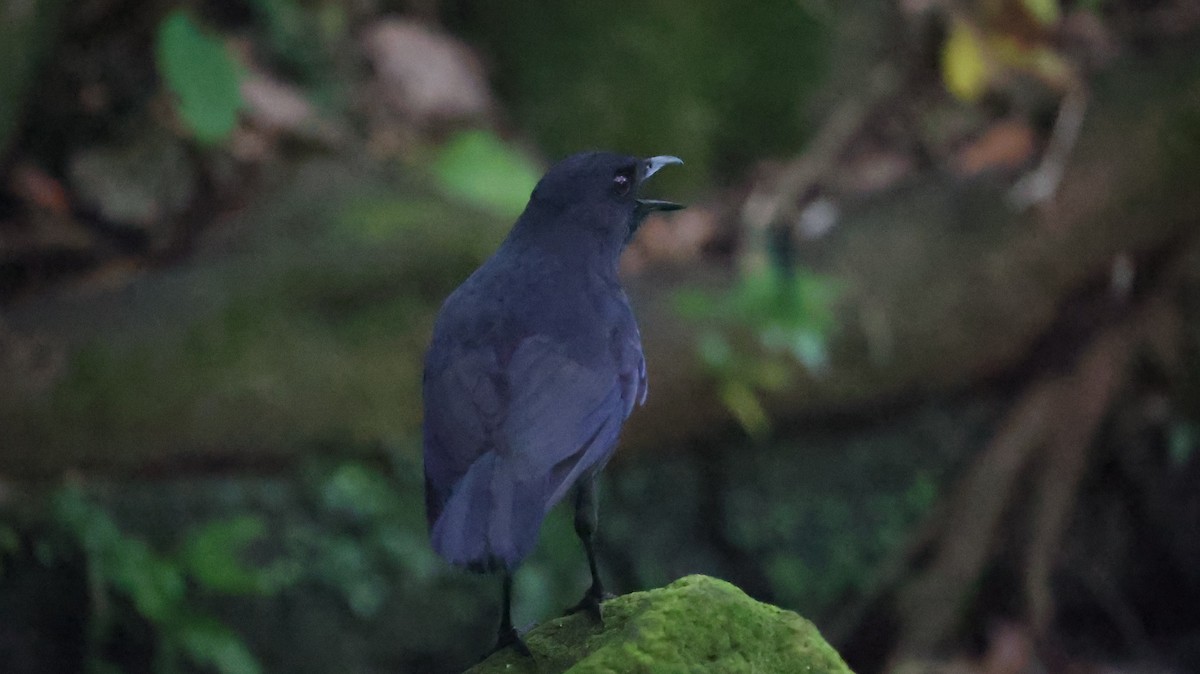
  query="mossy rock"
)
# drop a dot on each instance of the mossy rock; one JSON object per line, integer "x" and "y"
{"x": 696, "y": 624}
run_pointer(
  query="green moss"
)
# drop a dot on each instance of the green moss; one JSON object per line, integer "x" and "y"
{"x": 307, "y": 325}
{"x": 695, "y": 624}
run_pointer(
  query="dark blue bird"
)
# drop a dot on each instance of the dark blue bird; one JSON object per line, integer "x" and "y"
{"x": 535, "y": 363}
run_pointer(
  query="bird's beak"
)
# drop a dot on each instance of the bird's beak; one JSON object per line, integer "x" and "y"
{"x": 650, "y": 167}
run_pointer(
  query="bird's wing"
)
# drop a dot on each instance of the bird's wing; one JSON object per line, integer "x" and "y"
{"x": 632, "y": 367}
{"x": 505, "y": 439}
{"x": 565, "y": 416}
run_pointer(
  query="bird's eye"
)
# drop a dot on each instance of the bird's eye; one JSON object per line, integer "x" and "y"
{"x": 621, "y": 183}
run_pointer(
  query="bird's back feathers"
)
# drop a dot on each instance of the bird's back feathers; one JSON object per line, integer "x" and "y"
{"x": 510, "y": 425}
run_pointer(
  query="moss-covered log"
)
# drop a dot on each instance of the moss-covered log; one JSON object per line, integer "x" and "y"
{"x": 304, "y": 319}
{"x": 945, "y": 284}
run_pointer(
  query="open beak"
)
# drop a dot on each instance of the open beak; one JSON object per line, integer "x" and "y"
{"x": 650, "y": 167}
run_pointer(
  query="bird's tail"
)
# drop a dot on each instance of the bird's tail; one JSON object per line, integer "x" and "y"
{"x": 491, "y": 519}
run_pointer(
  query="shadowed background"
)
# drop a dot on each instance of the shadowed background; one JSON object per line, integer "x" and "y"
{"x": 924, "y": 351}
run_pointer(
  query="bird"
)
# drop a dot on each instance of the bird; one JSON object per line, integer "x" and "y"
{"x": 534, "y": 364}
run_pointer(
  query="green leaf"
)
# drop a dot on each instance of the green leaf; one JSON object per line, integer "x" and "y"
{"x": 84, "y": 520}
{"x": 208, "y": 642}
{"x": 345, "y": 564}
{"x": 155, "y": 584}
{"x": 790, "y": 311}
{"x": 212, "y": 555}
{"x": 410, "y": 550}
{"x": 743, "y": 403}
{"x": 126, "y": 564}
{"x": 964, "y": 62}
{"x": 921, "y": 495}
{"x": 1045, "y": 12}
{"x": 1182, "y": 440}
{"x": 205, "y": 79}
{"x": 693, "y": 304}
{"x": 479, "y": 168}
{"x": 715, "y": 351}
{"x": 359, "y": 489}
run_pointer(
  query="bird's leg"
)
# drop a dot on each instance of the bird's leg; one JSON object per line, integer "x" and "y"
{"x": 585, "y": 527}
{"x": 507, "y": 635}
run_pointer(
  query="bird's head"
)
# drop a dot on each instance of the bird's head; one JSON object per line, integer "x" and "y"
{"x": 601, "y": 189}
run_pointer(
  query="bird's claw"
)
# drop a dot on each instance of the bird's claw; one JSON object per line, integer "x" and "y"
{"x": 509, "y": 638}
{"x": 590, "y": 604}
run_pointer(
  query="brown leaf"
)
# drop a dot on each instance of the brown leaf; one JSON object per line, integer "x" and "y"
{"x": 1006, "y": 145}
{"x": 1009, "y": 651}
{"x": 680, "y": 236}
{"x": 274, "y": 105}
{"x": 424, "y": 74}
{"x": 39, "y": 189}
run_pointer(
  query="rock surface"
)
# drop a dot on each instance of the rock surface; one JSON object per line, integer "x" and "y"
{"x": 696, "y": 624}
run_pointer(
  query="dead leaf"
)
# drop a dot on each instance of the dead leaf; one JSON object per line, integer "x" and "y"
{"x": 1006, "y": 145}
{"x": 274, "y": 105}
{"x": 139, "y": 185}
{"x": 679, "y": 237}
{"x": 1009, "y": 650}
{"x": 39, "y": 189}
{"x": 874, "y": 171}
{"x": 424, "y": 74}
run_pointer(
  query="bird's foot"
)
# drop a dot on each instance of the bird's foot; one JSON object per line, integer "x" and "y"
{"x": 508, "y": 638}
{"x": 590, "y": 604}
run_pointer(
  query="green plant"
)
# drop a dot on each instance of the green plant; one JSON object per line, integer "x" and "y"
{"x": 787, "y": 312}
{"x": 480, "y": 169}
{"x": 1182, "y": 439}
{"x": 129, "y": 581}
{"x": 366, "y": 535}
{"x": 198, "y": 69}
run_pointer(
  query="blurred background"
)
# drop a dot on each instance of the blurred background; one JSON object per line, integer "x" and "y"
{"x": 924, "y": 350}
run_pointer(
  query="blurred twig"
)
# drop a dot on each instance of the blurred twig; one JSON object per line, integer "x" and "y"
{"x": 776, "y": 199}
{"x": 1089, "y": 392}
{"x": 930, "y": 605}
{"x": 1041, "y": 184}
